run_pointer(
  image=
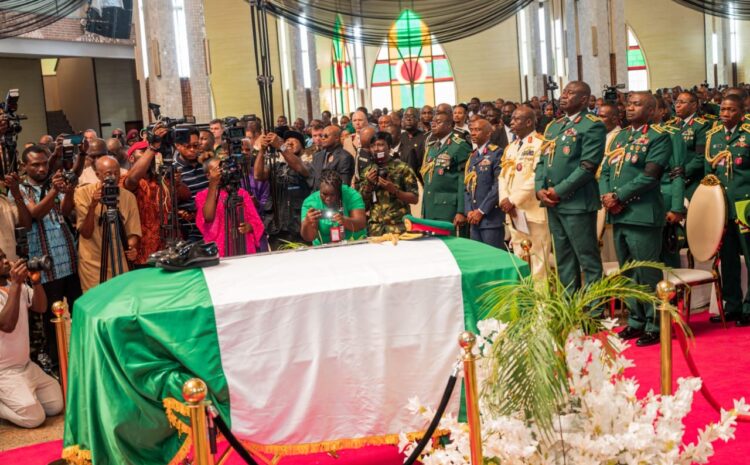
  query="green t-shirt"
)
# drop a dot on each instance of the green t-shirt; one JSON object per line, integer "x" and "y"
{"x": 350, "y": 199}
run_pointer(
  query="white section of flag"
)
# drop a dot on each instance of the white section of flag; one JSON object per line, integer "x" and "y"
{"x": 320, "y": 345}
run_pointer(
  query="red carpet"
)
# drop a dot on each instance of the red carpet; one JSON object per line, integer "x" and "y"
{"x": 722, "y": 356}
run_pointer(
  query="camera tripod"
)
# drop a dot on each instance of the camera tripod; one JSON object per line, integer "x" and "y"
{"x": 112, "y": 235}
{"x": 170, "y": 225}
{"x": 234, "y": 216}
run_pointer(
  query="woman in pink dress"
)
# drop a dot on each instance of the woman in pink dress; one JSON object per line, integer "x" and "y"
{"x": 211, "y": 214}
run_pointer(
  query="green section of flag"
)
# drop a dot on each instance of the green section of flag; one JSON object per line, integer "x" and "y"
{"x": 135, "y": 340}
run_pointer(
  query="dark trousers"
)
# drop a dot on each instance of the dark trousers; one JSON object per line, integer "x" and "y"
{"x": 490, "y": 236}
{"x": 68, "y": 287}
{"x": 637, "y": 243}
{"x": 734, "y": 245}
{"x": 576, "y": 247}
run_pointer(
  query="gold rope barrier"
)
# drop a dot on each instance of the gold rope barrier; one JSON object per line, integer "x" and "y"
{"x": 59, "y": 309}
{"x": 666, "y": 291}
{"x": 466, "y": 341}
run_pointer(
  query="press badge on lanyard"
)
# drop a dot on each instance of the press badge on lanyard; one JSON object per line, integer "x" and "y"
{"x": 337, "y": 232}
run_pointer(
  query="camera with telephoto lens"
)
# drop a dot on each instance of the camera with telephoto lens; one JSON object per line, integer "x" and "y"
{"x": 69, "y": 151}
{"x": 610, "y": 93}
{"x": 551, "y": 84}
{"x": 173, "y": 133}
{"x": 110, "y": 192}
{"x": 10, "y": 107}
{"x": 33, "y": 264}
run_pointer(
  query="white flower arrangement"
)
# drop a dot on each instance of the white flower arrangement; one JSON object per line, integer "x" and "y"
{"x": 603, "y": 421}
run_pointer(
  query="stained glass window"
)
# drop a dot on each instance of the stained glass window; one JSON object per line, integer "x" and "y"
{"x": 637, "y": 68}
{"x": 342, "y": 74}
{"x": 411, "y": 71}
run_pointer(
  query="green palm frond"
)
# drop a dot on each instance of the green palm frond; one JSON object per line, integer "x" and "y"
{"x": 528, "y": 368}
{"x": 289, "y": 245}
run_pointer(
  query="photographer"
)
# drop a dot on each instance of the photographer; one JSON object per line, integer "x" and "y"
{"x": 289, "y": 181}
{"x": 216, "y": 127}
{"x": 27, "y": 394}
{"x": 13, "y": 212}
{"x": 90, "y": 211}
{"x": 212, "y": 214}
{"x": 334, "y": 213}
{"x": 49, "y": 200}
{"x": 153, "y": 197}
{"x": 194, "y": 178}
{"x": 388, "y": 187}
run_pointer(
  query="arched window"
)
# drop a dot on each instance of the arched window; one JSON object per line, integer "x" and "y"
{"x": 342, "y": 75}
{"x": 637, "y": 68}
{"x": 411, "y": 71}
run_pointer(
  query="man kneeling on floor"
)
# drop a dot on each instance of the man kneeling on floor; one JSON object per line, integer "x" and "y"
{"x": 27, "y": 394}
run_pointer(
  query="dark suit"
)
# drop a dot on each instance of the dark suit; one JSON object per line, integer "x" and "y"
{"x": 411, "y": 151}
{"x": 338, "y": 160}
{"x": 499, "y": 138}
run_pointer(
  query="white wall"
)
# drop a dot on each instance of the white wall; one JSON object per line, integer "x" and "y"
{"x": 119, "y": 96}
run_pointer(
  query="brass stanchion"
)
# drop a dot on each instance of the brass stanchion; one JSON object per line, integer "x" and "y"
{"x": 526, "y": 256}
{"x": 666, "y": 291}
{"x": 466, "y": 341}
{"x": 194, "y": 392}
{"x": 59, "y": 309}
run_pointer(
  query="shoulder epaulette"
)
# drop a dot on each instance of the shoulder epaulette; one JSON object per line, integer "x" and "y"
{"x": 670, "y": 129}
{"x": 546, "y": 128}
{"x": 700, "y": 120}
{"x": 658, "y": 128}
{"x": 716, "y": 128}
{"x": 457, "y": 138}
{"x": 671, "y": 121}
{"x": 711, "y": 117}
{"x": 593, "y": 117}
{"x": 561, "y": 119}
{"x": 745, "y": 127}
{"x": 492, "y": 147}
{"x": 540, "y": 136}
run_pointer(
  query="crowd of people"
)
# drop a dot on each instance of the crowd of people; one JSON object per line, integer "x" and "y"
{"x": 500, "y": 172}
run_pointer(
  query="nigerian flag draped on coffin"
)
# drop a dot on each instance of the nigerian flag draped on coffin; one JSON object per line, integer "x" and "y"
{"x": 299, "y": 349}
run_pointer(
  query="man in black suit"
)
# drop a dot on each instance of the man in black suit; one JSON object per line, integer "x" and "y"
{"x": 333, "y": 157}
{"x": 499, "y": 135}
{"x": 411, "y": 148}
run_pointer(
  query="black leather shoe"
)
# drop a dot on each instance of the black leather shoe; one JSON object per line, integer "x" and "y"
{"x": 630, "y": 333}
{"x": 648, "y": 339}
{"x": 175, "y": 248}
{"x": 196, "y": 255}
{"x": 727, "y": 317}
{"x": 743, "y": 321}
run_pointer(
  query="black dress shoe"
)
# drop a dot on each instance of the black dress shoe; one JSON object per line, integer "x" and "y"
{"x": 196, "y": 255}
{"x": 648, "y": 339}
{"x": 743, "y": 321}
{"x": 727, "y": 317}
{"x": 630, "y": 333}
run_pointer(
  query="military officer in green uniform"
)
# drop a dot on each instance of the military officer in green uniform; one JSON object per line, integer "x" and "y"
{"x": 672, "y": 188}
{"x": 443, "y": 173}
{"x": 728, "y": 157}
{"x": 693, "y": 129}
{"x": 565, "y": 183}
{"x": 636, "y": 159}
{"x": 388, "y": 186}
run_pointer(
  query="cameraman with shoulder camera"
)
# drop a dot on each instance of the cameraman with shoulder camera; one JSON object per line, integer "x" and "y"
{"x": 27, "y": 394}
{"x": 211, "y": 208}
{"x": 388, "y": 186}
{"x": 90, "y": 215}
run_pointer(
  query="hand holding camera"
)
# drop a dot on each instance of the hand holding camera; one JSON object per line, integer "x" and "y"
{"x": 313, "y": 215}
